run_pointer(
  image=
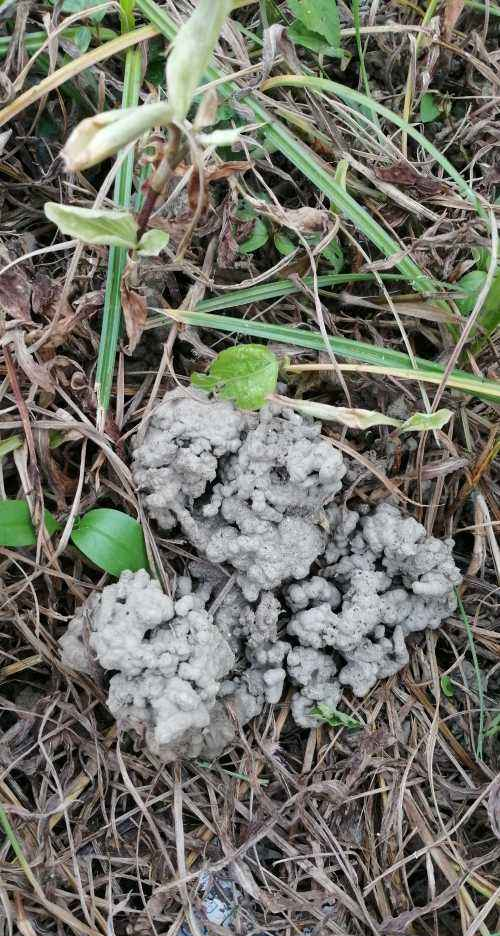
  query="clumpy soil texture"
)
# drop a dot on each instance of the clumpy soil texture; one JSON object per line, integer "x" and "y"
{"x": 161, "y": 771}
{"x": 256, "y": 491}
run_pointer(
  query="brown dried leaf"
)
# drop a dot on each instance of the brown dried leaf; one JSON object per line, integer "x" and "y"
{"x": 401, "y": 173}
{"x": 135, "y": 312}
{"x": 397, "y": 926}
{"x": 37, "y": 374}
{"x": 15, "y": 294}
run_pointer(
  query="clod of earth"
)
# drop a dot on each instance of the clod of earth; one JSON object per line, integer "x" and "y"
{"x": 254, "y": 492}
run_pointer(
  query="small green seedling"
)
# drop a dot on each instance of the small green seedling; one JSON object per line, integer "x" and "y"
{"x": 429, "y": 107}
{"x": 447, "y": 687}
{"x": 336, "y": 719}
{"x": 111, "y": 539}
{"x": 246, "y": 374}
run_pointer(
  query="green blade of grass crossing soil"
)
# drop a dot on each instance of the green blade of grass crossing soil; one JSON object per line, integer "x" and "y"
{"x": 112, "y": 312}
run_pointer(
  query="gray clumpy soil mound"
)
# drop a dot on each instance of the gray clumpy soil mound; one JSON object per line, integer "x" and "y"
{"x": 254, "y": 491}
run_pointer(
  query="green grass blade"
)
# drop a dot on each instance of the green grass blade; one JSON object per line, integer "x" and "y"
{"x": 343, "y": 347}
{"x": 363, "y": 101}
{"x": 303, "y": 158}
{"x": 111, "y": 319}
{"x": 33, "y": 41}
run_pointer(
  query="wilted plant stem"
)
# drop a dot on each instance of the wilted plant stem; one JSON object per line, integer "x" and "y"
{"x": 157, "y": 183}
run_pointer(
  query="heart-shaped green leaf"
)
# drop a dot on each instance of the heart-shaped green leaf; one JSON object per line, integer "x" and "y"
{"x": 16, "y": 525}
{"x": 246, "y": 374}
{"x": 111, "y": 540}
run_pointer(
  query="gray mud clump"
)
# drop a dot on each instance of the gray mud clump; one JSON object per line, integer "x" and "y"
{"x": 254, "y": 493}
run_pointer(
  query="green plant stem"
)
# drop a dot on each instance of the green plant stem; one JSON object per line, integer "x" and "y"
{"x": 111, "y": 319}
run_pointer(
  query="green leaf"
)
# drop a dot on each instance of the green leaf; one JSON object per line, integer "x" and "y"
{"x": 429, "y": 109}
{"x": 283, "y": 244}
{"x": 192, "y": 51}
{"x": 10, "y": 445}
{"x": 421, "y": 422}
{"x": 336, "y": 719}
{"x": 447, "y": 687}
{"x": 76, "y": 6}
{"x": 492, "y": 730}
{"x": 334, "y": 254}
{"x": 471, "y": 284}
{"x": 246, "y": 374}
{"x": 111, "y": 540}
{"x": 300, "y": 35}
{"x": 94, "y": 225}
{"x": 127, "y": 15}
{"x": 152, "y": 243}
{"x": 16, "y": 525}
{"x": 82, "y": 38}
{"x": 320, "y": 16}
{"x": 258, "y": 237}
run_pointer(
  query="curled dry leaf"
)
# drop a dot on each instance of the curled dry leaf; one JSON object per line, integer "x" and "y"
{"x": 402, "y": 173}
{"x": 37, "y": 374}
{"x": 135, "y": 312}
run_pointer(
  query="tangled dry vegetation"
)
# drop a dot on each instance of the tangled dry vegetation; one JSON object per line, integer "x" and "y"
{"x": 389, "y": 829}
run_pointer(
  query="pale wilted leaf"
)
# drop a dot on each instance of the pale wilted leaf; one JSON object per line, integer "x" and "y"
{"x": 353, "y": 418}
{"x": 94, "y": 225}
{"x": 152, "y": 243}
{"x": 135, "y": 312}
{"x": 191, "y": 52}
{"x": 99, "y": 137}
{"x": 420, "y": 422}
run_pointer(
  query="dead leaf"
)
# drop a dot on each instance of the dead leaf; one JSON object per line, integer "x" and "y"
{"x": 397, "y": 926}
{"x": 37, "y": 374}
{"x": 451, "y": 13}
{"x": 135, "y": 311}
{"x": 401, "y": 173}
{"x": 15, "y": 294}
{"x": 207, "y": 112}
{"x": 494, "y": 807}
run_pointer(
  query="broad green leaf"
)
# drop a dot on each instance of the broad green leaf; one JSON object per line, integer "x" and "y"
{"x": 191, "y": 52}
{"x": 319, "y": 16}
{"x": 300, "y": 35}
{"x": 246, "y": 374}
{"x": 429, "y": 108}
{"x": 10, "y": 445}
{"x": 16, "y": 525}
{"x": 447, "y": 687}
{"x": 76, "y": 6}
{"x": 336, "y": 719}
{"x": 111, "y": 540}
{"x": 152, "y": 243}
{"x": 353, "y": 418}
{"x": 82, "y": 38}
{"x": 94, "y": 225}
{"x": 257, "y": 239}
{"x": 421, "y": 422}
{"x": 471, "y": 284}
{"x": 283, "y": 244}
